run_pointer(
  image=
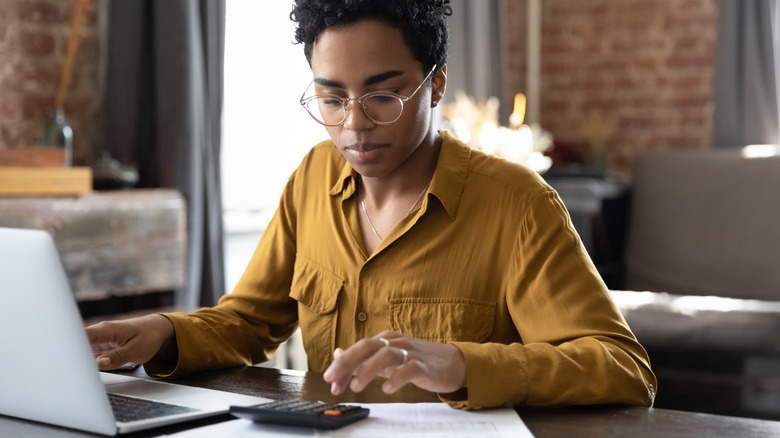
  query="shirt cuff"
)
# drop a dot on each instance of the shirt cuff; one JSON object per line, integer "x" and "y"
{"x": 495, "y": 376}
{"x": 156, "y": 366}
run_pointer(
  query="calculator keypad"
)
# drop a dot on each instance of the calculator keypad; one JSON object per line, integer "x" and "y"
{"x": 302, "y": 413}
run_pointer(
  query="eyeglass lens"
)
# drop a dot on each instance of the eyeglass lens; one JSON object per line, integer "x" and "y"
{"x": 381, "y": 108}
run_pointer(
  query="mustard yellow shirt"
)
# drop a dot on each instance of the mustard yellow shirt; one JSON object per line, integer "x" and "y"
{"x": 490, "y": 263}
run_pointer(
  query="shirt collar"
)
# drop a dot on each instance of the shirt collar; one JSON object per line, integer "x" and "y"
{"x": 346, "y": 183}
{"x": 449, "y": 178}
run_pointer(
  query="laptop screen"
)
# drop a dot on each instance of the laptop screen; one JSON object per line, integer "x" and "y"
{"x": 47, "y": 372}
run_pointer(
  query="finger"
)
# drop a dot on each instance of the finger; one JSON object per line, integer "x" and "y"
{"x": 389, "y": 335}
{"x": 104, "y": 363}
{"x": 350, "y": 362}
{"x": 338, "y": 374}
{"x": 410, "y": 372}
{"x": 112, "y": 359}
{"x": 382, "y": 364}
{"x": 347, "y": 363}
{"x": 335, "y": 387}
{"x": 101, "y": 333}
{"x": 119, "y": 355}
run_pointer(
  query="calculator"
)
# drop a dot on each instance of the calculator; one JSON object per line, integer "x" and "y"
{"x": 302, "y": 413}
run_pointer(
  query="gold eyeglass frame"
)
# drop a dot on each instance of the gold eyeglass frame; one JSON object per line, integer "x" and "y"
{"x": 304, "y": 101}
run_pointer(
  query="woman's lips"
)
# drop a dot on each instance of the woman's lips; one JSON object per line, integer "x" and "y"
{"x": 365, "y": 151}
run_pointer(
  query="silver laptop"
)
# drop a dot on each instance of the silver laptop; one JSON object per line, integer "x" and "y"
{"x": 47, "y": 370}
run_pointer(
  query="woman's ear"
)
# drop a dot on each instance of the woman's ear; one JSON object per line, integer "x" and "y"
{"x": 439, "y": 82}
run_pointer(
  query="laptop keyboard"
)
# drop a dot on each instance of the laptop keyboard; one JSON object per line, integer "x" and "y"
{"x": 128, "y": 409}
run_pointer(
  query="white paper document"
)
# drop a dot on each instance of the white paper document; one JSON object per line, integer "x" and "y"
{"x": 389, "y": 420}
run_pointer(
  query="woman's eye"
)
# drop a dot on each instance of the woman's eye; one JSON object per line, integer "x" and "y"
{"x": 330, "y": 101}
{"x": 382, "y": 98}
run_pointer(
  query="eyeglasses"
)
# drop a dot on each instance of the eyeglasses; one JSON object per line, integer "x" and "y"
{"x": 382, "y": 107}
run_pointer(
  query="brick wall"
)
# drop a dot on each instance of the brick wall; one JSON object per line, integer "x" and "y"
{"x": 641, "y": 69}
{"x": 33, "y": 41}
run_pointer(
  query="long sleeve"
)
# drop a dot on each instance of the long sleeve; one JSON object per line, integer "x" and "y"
{"x": 248, "y": 324}
{"x": 576, "y": 347}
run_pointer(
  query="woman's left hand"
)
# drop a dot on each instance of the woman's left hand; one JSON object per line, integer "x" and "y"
{"x": 434, "y": 366}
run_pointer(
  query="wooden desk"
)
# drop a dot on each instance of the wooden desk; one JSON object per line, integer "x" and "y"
{"x": 598, "y": 421}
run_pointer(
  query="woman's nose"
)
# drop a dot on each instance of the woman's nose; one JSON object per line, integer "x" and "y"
{"x": 357, "y": 120}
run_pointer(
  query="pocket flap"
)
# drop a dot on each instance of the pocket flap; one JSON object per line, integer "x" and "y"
{"x": 315, "y": 287}
{"x": 443, "y": 319}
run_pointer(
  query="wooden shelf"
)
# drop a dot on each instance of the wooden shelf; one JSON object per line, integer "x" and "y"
{"x": 45, "y": 181}
{"x": 35, "y": 156}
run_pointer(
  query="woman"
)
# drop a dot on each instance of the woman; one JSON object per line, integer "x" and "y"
{"x": 404, "y": 254}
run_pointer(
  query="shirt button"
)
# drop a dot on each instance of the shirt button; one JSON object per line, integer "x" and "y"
{"x": 362, "y": 317}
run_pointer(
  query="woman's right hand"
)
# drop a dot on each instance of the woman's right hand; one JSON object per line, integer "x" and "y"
{"x": 132, "y": 341}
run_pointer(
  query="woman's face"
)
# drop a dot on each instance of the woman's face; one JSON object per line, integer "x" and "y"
{"x": 368, "y": 56}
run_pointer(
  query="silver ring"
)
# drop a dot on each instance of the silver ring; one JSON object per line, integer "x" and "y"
{"x": 385, "y": 341}
{"x": 406, "y": 356}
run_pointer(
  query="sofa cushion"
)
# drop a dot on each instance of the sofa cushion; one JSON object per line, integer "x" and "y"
{"x": 705, "y": 223}
{"x": 702, "y": 322}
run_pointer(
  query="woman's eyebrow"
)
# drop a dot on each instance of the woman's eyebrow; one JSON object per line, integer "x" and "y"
{"x": 368, "y": 81}
{"x": 382, "y": 77}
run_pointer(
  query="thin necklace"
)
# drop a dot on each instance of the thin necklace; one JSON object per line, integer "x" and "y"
{"x": 371, "y": 224}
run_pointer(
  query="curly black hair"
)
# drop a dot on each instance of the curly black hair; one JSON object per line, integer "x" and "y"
{"x": 422, "y": 23}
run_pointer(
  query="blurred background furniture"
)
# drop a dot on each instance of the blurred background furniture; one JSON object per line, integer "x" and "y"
{"x": 123, "y": 251}
{"x": 703, "y": 277}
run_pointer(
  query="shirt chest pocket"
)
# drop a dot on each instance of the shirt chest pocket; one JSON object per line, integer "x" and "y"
{"x": 317, "y": 291}
{"x": 443, "y": 319}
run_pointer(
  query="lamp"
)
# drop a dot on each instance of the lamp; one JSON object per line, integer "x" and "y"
{"x": 477, "y": 125}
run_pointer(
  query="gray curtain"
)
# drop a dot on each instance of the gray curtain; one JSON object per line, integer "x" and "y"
{"x": 164, "y": 91}
{"x": 475, "y": 61}
{"x": 746, "y": 109}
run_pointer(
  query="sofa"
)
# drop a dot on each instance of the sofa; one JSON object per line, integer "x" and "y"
{"x": 702, "y": 277}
